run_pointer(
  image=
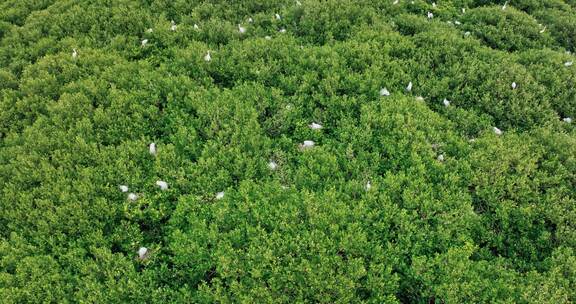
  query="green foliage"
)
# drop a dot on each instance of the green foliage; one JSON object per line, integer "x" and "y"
{"x": 454, "y": 213}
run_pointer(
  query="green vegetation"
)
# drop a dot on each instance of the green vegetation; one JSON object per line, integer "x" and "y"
{"x": 454, "y": 212}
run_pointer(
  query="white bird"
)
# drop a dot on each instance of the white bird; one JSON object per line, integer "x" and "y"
{"x": 152, "y": 149}
{"x": 441, "y": 157}
{"x": 419, "y": 98}
{"x": 144, "y": 42}
{"x": 298, "y": 3}
{"x": 132, "y": 197}
{"x": 123, "y": 188}
{"x": 162, "y": 184}
{"x": 514, "y": 85}
{"x": 267, "y": 37}
{"x": 446, "y": 102}
{"x": 430, "y": 15}
{"x": 307, "y": 144}
{"x": 457, "y": 22}
{"x": 220, "y": 195}
{"x": 433, "y": 4}
{"x": 449, "y": 22}
{"x": 241, "y": 29}
{"x": 277, "y": 17}
{"x": 505, "y": 5}
{"x": 143, "y": 253}
{"x": 409, "y": 87}
{"x": 74, "y": 54}
{"x": 172, "y": 25}
{"x": 282, "y": 30}
{"x": 543, "y": 29}
{"x": 463, "y": 10}
{"x": 567, "y": 120}
{"x": 272, "y": 165}
{"x": 384, "y": 92}
{"x": 207, "y": 57}
{"x": 497, "y": 131}
{"x": 368, "y": 186}
{"x": 568, "y": 63}
{"x": 150, "y": 30}
{"x": 315, "y": 126}
{"x": 466, "y": 34}
{"x": 196, "y": 27}
{"x": 250, "y": 20}
{"x": 395, "y": 2}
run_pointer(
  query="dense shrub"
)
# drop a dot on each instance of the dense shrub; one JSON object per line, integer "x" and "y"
{"x": 404, "y": 198}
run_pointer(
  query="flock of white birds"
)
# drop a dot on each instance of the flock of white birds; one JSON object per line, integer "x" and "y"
{"x": 143, "y": 252}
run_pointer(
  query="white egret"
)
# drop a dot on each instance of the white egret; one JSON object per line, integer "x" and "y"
{"x": 315, "y": 126}
{"x": 298, "y": 3}
{"x": 172, "y": 25}
{"x": 307, "y": 144}
{"x": 220, "y": 195}
{"x": 152, "y": 149}
{"x": 74, "y": 54}
{"x": 162, "y": 184}
{"x": 395, "y": 2}
{"x": 433, "y": 4}
{"x": 567, "y": 119}
{"x": 132, "y": 197}
{"x": 446, "y": 102}
{"x": 196, "y": 27}
{"x": 568, "y": 63}
{"x": 150, "y": 30}
{"x": 368, "y": 186}
{"x": 241, "y": 29}
{"x": 430, "y": 15}
{"x": 409, "y": 87}
{"x": 463, "y": 10}
{"x": 419, "y": 98}
{"x": 384, "y": 92}
{"x": 144, "y": 42}
{"x": 207, "y": 57}
{"x": 143, "y": 253}
{"x": 123, "y": 188}
{"x": 497, "y": 131}
{"x": 505, "y": 5}
{"x": 277, "y": 16}
{"x": 282, "y": 30}
{"x": 466, "y": 34}
{"x": 268, "y": 38}
{"x": 514, "y": 85}
{"x": 457, "y": 22}
{"x": 250, "y": 20}
{"x": 543, "y": 29}
{"x": 441, "y": 157}
{"x": 272, "y": 165}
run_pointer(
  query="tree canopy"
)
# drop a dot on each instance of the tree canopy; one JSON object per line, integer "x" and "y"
{"x": 458, "y": 189}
